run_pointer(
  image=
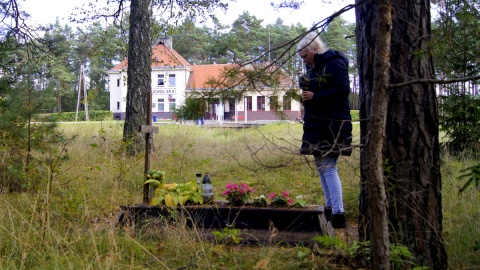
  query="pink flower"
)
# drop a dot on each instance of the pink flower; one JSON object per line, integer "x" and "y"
{"x": 237, "y": 192}
{"x": 271, "y": 196}
{"x": 290, "y": 201}
{"x": 284, "y": 194}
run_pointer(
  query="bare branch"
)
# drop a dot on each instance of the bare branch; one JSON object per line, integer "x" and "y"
{"x": 433, "y": 81}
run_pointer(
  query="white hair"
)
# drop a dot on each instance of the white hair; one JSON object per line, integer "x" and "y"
{"x": 312, "y": 42}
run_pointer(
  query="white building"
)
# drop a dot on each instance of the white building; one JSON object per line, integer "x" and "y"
{"x": 174, "y": 78}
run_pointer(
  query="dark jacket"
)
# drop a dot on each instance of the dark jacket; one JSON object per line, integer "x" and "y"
{"x": 327, "y": 120}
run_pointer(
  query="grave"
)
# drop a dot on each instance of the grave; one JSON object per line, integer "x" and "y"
{"x": 265, "y": 225}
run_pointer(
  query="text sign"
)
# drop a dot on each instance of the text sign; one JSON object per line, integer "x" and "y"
{"x": 163, "y": 91}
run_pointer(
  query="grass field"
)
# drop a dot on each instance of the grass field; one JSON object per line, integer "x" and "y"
{"x": 68, "y": 222}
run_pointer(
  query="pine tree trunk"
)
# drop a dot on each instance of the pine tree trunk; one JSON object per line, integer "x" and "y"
{"x": 139, "y": 80}
{"x": 411, "y": 133}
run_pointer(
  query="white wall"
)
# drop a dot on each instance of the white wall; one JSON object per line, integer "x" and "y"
{"x": 177, "y": 92}
{"x": 117, "y": 93}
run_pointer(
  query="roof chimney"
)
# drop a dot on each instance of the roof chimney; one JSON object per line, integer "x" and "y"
{"x": 167, "y": 41}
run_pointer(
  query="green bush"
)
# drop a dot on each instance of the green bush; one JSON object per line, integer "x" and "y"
{"x": 29, "y": 152}
{"x": 460, "y": 119}
{"x": 70, "y": 116}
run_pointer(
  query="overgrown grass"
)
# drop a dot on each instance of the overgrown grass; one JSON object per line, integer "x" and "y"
{"x": 70, "y": 225}
{"x": 461, "y": 217}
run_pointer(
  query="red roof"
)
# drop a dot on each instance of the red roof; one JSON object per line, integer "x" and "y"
{"x": 162, "y": 56}
{"x": 203, "y": 76}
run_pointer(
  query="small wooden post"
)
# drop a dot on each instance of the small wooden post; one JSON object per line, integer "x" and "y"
{"x": 149, "y": 130}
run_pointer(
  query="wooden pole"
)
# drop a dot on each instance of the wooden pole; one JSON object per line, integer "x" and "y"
{"x": 85, "y": 94}
{"x": 79, "y": 88}
{"x": 147, "y": 145}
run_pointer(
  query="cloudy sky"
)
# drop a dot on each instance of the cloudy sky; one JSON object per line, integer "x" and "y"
{"x": 312, "y": 11}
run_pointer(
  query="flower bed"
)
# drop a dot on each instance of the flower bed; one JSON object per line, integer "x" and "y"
{"x": 277, "y": 212}
{"x": 220, "y": 214}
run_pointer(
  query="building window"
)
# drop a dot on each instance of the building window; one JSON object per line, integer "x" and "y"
{"x": 274, "y": 105}
{"x": 161, "y": 80}
{"x": 287, "y": 103}
{"x": 161, "y": 105}
{"x": 260, "y": 103}
{"x": 231, "y": 105}
{"x": 118, "y": 106}
{"x": 249, "y": 103}
{"x": 171, "y": 80}
{"x": 171, "y": 104}
{"x": 118, "y": 82}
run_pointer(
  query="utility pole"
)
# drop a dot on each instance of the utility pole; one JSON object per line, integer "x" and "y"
{"x": 82, "y": 87}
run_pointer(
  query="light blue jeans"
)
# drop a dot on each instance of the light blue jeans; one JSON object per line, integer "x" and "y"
{"x": 330, "y": 181}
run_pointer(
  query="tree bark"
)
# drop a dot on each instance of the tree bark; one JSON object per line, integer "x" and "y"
{"x": 380, "y": 244}
{"x": 139, "y": 80}
{"x": 411, "y": 146}
{"x": 374, "y": 137}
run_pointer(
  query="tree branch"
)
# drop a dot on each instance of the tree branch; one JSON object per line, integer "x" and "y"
{"x": 431, "y": 81}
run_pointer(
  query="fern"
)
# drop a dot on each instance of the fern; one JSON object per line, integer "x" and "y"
{"x": 472, "y": 174}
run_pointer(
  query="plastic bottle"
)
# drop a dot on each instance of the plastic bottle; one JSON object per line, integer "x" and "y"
{"x": 199, "y": 178}
{"x": 207, "y": 190}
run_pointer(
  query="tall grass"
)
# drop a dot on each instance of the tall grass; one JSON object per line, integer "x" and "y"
{"x": 71, "y": 224}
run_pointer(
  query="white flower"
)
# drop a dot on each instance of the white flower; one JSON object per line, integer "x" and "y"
{"x": 299, "y": 197}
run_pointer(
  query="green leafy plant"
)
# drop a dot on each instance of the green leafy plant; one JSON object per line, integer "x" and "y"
{"x": 299, "y": 202}
{"x": 175, "y": 194}
{"x": 172, "y": 194}
{"x": 472, "y": 174}
{"x": 193, "y": 108}
{"x": 400, "y": 255}
{"x": 238, "y": 194}
{"x": 154, "y": 175}
{"x": 330, "y": 242}
{"x": 280, "y": 200}
{"x": 260, "y": 201}
{"x": 227, "y": 236}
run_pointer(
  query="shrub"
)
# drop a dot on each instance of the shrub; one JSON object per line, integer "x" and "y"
{"x": 70, "y": 116}
{"x": 460, "y": 119}
{"x": 29, "y": 152}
